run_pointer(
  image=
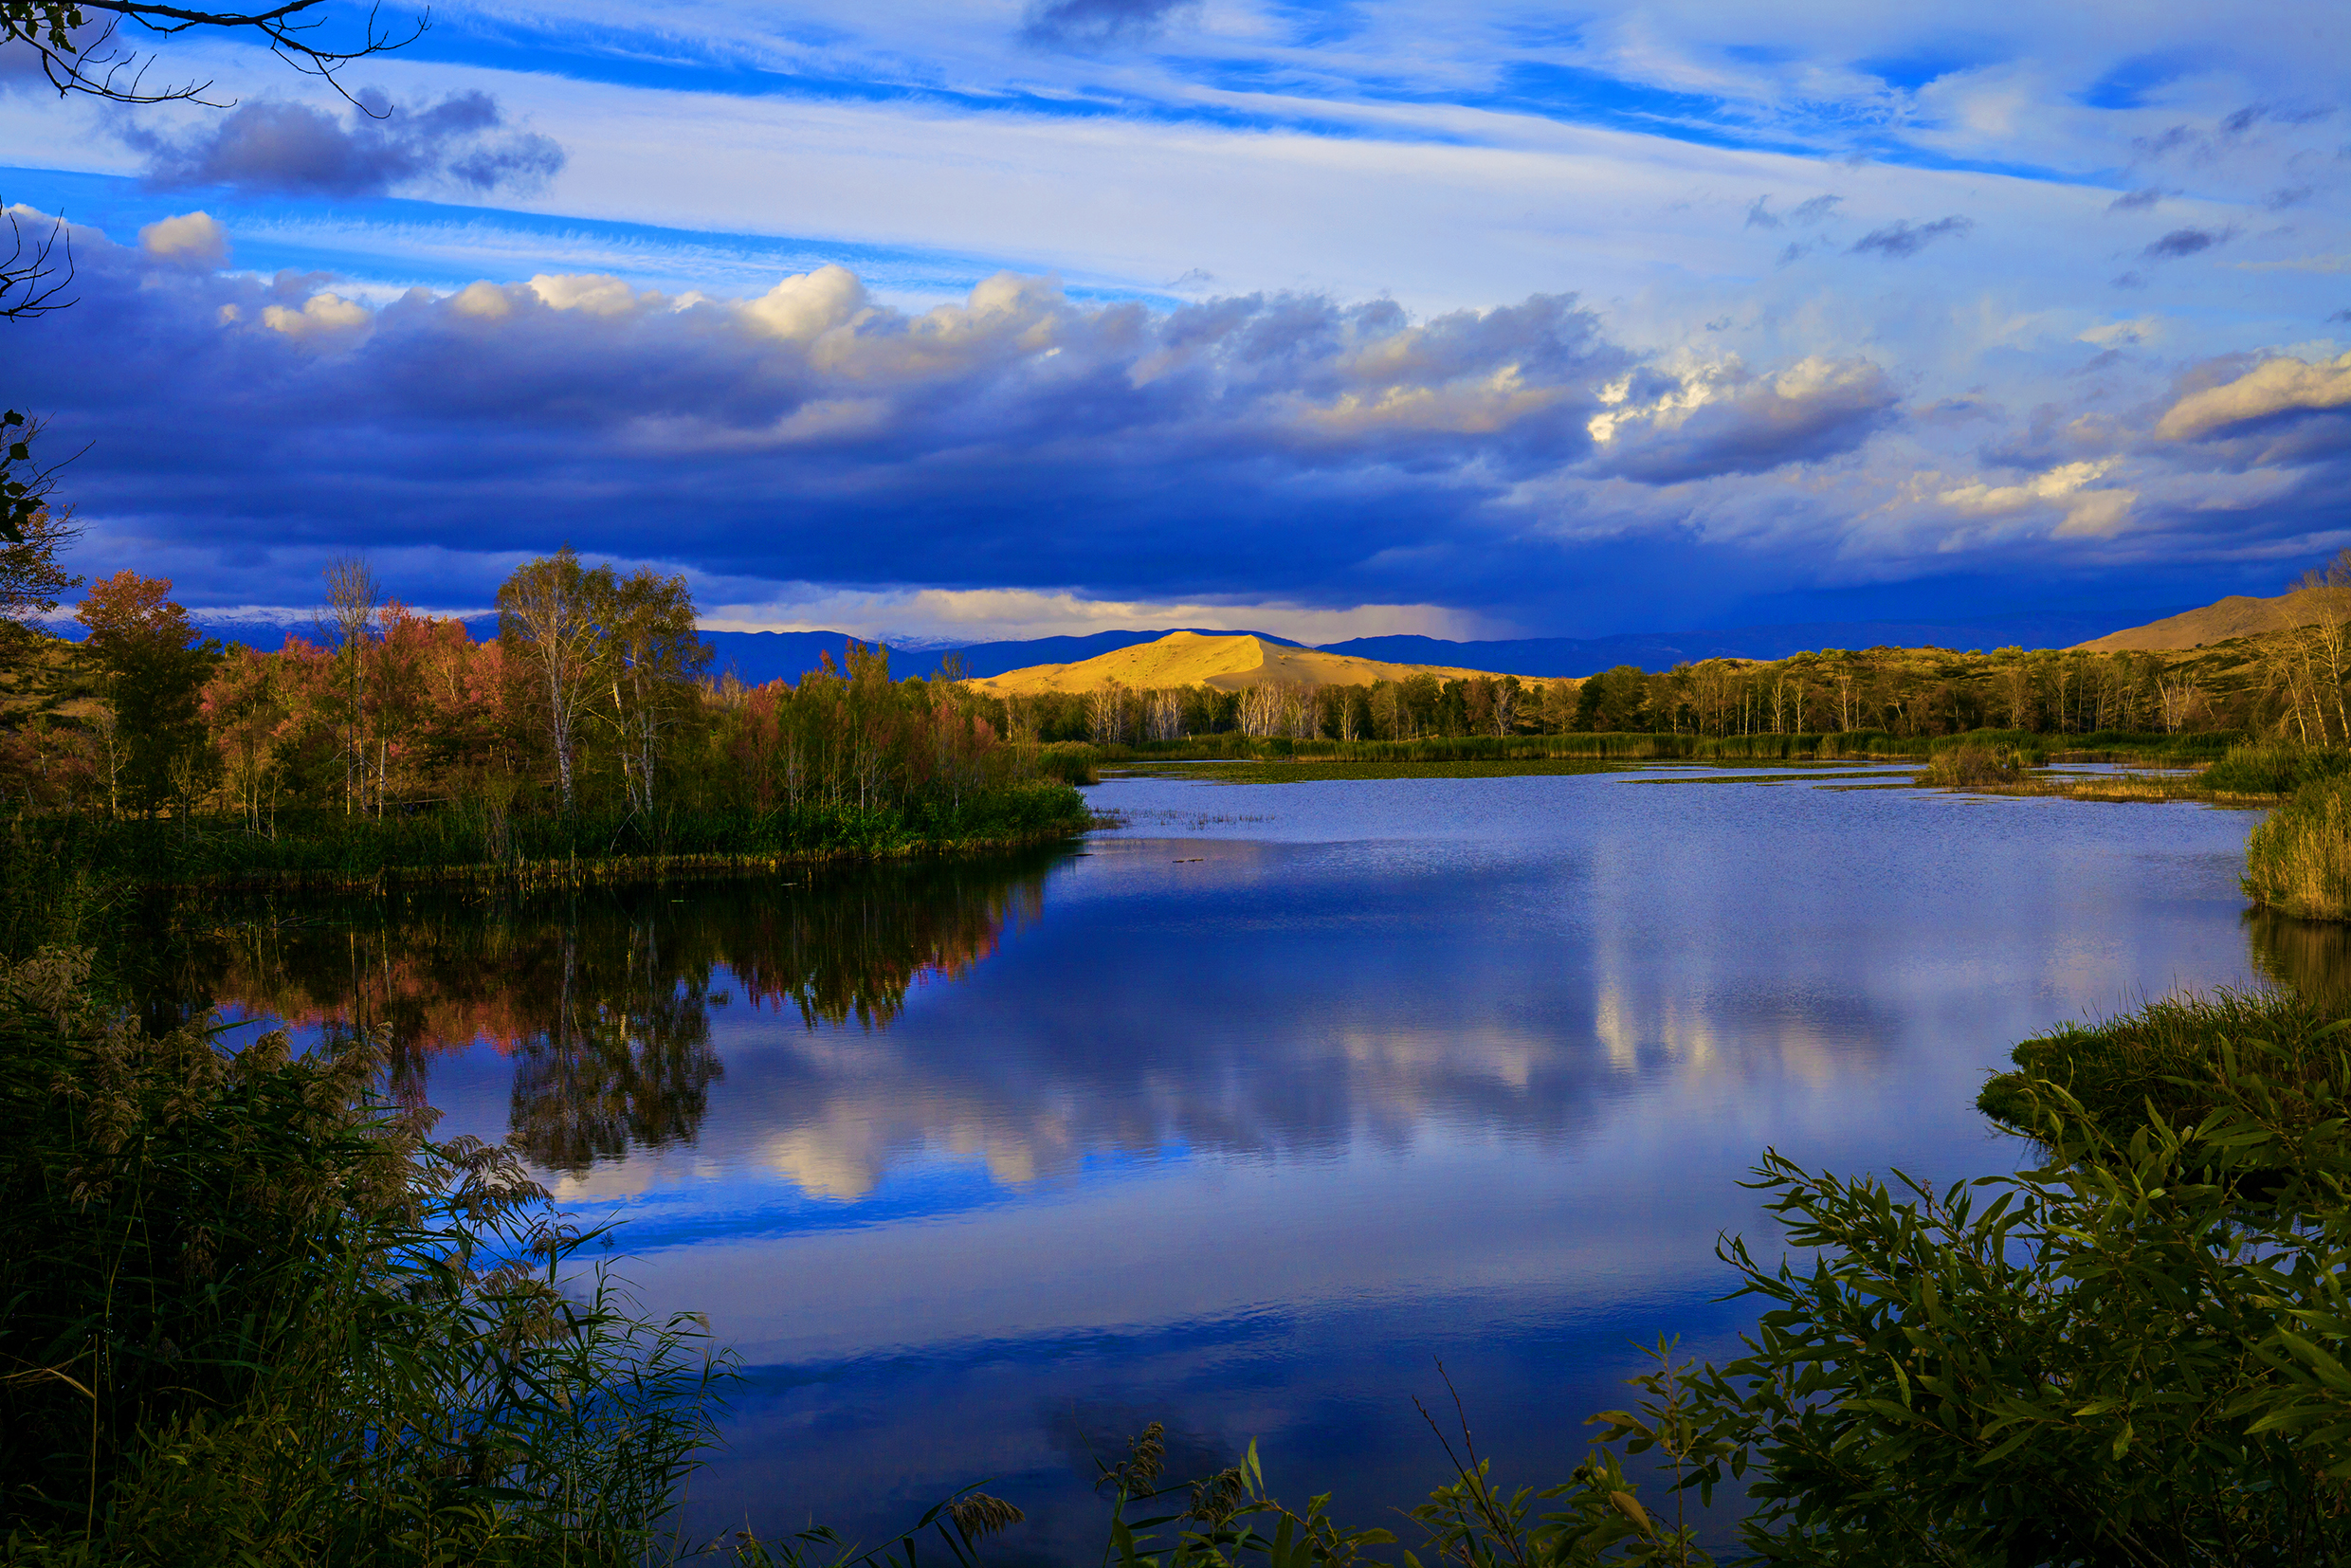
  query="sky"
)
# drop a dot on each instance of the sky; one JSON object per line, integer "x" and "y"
{"x": 952, "y": 322}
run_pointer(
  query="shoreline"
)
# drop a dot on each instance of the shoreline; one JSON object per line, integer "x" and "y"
{"x": 601, "y": 870}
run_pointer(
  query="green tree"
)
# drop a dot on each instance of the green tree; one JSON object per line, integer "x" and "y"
{"x": 651, "y": 658}
{"x": 1613, "y": 701}
{"x": 154, "y": 667}
{"x": 31, "y": 579}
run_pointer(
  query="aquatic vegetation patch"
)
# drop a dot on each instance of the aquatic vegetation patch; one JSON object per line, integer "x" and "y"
{"x": 2164, "y": 1059}
{"x": 2299, "y": 860}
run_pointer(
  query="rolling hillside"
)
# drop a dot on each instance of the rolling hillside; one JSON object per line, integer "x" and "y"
{"x": 2238, "y": 615}
{"x": 1229, "y": 662}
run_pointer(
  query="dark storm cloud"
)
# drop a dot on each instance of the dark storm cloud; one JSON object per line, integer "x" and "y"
{"x": 1903, "y": 238}
{"x": 1097, "y": 24}
{"x": 1275, "y": 443}
{"x": 291, "y": 149}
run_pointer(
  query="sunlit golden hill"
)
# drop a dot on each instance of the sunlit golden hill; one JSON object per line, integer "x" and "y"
{"x": 1230, "y": 664}
{"x": 2238, "y": 615}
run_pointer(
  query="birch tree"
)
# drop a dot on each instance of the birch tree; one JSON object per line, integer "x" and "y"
{"x": 546, "y": 617}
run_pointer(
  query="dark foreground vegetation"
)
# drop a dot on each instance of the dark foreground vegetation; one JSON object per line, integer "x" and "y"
{"x": 252, "y": 1312}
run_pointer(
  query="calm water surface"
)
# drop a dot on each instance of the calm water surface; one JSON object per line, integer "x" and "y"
{"x": 1246, "y": 1114}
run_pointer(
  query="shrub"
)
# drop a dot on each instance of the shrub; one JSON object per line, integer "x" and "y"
{"x": 2131, "y": 1355}
{"x": 2299, "y": 860}
{"x": 249, "y": 1313}
{"x": 1972, "y": 762}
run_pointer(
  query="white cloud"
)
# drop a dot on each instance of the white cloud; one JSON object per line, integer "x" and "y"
{"x": 323, "y": 317}
{"x": 195, "y": 239}
{"x": 803, "y": 306}
{"x": 2274, "y": 387}
{"x": 2139, "y": 329}
{"x": 2096, "y": 513}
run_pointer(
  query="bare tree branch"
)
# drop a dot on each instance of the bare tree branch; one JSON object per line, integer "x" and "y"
{"x": 31, "y": 278}
{"x": 99, "y": 66}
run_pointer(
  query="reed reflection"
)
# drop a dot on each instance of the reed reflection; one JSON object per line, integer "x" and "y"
{"x": 603, "y": 997}
{"x": 2309, "y": 956}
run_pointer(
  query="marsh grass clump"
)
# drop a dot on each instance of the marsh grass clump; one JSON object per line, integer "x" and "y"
{"x": 2166, "y": 1056}
{"x": 1973, "y": 762}
{"x": 2257, "y": 770}
{"x": 250, "y": 1312}
{"x": 2299, "y": 860}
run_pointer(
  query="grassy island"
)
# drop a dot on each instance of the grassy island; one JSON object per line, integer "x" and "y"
{"x": 584, "y": 742}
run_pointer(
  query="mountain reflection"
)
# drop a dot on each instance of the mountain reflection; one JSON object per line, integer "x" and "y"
{"x": 603, "y": 997}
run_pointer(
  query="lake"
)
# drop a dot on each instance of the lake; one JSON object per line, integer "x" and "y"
{"x": 1249, "y": 1114}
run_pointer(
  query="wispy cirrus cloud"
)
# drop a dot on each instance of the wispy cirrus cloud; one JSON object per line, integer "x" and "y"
{"x": 1903, "y": 238}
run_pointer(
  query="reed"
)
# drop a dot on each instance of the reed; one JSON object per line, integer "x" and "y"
{"x": 2272, "y": 770}
{"x": 1973, "y": 763}
{"x": 2299, "y": 860}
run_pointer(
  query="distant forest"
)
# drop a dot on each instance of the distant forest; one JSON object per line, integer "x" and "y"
{"x": 594, "y": 695}
{"x": 590, "y": 703}
{"x": 2290, "y": 685}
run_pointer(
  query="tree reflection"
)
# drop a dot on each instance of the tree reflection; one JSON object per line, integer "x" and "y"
{"x": 603, "y": 997}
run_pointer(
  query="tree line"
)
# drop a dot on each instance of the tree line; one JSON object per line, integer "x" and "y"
{"x": 597, "y": 695}
{"x": 1899, "y": 691}
{"x": 594, "y": 697}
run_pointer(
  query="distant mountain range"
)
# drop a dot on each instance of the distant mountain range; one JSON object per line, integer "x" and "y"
{"x": 755, "y": 657}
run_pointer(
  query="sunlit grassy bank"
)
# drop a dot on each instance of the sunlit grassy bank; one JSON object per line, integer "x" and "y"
{"x": 2168, "y": 1055}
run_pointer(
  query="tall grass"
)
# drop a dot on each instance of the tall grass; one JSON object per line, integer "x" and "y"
{"x": 250, "y": 1312}
{"x": 329, "y": 849}
{"x": 2257, "y": 770}
{"x": 2299, "y": 860}
{"x": 1972, "y": 763}
{"x": 2164, "y": 1055}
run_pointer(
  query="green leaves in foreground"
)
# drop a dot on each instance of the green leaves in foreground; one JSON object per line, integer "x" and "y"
{"x": 2139, "y": 1353}
{"x": 2134, "y": 1355}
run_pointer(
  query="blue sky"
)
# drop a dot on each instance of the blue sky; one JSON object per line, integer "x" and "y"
{"x": 983, "y": 321}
